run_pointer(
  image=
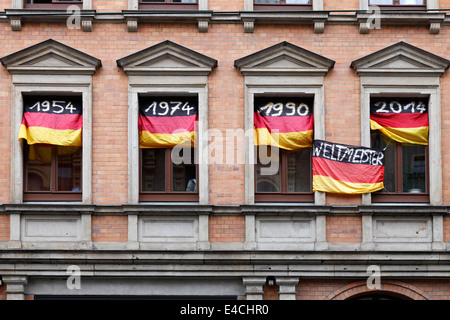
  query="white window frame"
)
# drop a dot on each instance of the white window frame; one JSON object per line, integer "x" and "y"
{"x": 134, "y": 5}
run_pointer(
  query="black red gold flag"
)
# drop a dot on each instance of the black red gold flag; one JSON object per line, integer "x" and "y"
{"x": 402, "y": 120}
{"x": 167, "y": 122}
{"x": 56, "y": 120}
{"x": 346, "y": 169}
{"x": 286, "y": 123}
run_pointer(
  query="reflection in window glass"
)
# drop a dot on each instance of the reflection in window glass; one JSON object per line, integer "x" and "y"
{"x": 69, "y": 168}
{"x": 413, "y": 161}
{"x": 268, "y": 183}
{"x": 39, "y": 168}
{"x": 299, "y": 171}
{"x": 153, "y": 170}
{"x": 185, "y": 174}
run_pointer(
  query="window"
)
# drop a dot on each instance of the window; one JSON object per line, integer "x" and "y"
{"x": 167, "y": 132}
{"x": 51, "y": 4}
{"x": 401, "y": 131}
{"x": 291, "y": 183}
{"x": 52, "y": 152}
{"x": 163, "y": 180}
{"x": 168, "y": 4}
{"x": 54, "y": 175}
{"x": 277, "y": 5}
{"x": 398, "y": 3}
{"x": 406, "y": 171}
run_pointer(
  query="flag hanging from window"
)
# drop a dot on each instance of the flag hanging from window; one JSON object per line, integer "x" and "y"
{"x": 285, "y": 123}
{"x": 52, "y": 120}
{"x": 402, "y": 120}
{"x": 345, "y": 169}
{"x": 167, "y": 122}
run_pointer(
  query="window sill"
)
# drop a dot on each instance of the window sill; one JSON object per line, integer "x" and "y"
{"x": 18, "y": 16}
{"x": 316, "y": 18}
{"x": 134, "y": 17}
{"x": 367, "y": 22}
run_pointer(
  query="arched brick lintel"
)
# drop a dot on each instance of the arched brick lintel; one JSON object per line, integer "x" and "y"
{"x": 390, "y": 287}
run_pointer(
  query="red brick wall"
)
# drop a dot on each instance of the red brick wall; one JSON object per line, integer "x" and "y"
{"x": 109, "y": 228}
{"x": 319, "y": 289}
{"x": 4, "y": 227}
{"x": 344, "y": 229}
{"x": 446, "y": 229}
{"x": 226, "y": 229}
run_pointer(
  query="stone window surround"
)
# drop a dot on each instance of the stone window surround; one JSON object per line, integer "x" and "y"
{"x": 57, "y": 84}
{"x": 69, "y": 71}
{"x": 158, "y": 70}
{"x": 377, "y": 78}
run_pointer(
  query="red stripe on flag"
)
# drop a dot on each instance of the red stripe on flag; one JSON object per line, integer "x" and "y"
{"x": 284, "y": 124}
{"x": 53, "y": 121}
{"x": 167, "y": 124}
{"x": 348, "y": 172}
{"x": 401, "y": 120}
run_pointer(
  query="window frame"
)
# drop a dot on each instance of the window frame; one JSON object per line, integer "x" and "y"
{"x": 282, "y": 6}
{"x": 202, "y": 5}
{"x": 54, "y": 5}
{"x": 53, "y": 195}
{"x": 399, "y": 195}
{"x": 168, "y": 5}
{"x": 392, "y": 89}
{"x": 430, "y": 4}
{"x": 168, "y": 194}
{"x": 284, "y": 195}
{"x": 396, "y": 4}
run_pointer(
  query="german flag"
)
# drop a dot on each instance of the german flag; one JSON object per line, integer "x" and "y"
{"x": 285, "y": 123}
{"x": 405, "y": 121}
{"x": 167, "y": 122}
{"x": 52, "y": 120}
{"x": 345, "y": 169}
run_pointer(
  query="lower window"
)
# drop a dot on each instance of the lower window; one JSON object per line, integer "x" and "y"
{"x": 164, "y": 178}
{"x": 277, "y": 5}
{"x": 291, "y": 181}
{"x": 406, "y": 171}
{"x": 51, "y": 4}
{"x": 168, "y": 4}
{"x": 52, "y": 173}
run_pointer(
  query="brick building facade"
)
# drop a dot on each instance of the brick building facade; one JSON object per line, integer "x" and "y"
{"x": 228, "y": 240}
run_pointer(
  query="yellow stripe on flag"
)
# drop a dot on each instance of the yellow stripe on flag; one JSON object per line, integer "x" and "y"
{"x": 288, "y": 141}
{"x": 166, "y": 140}
{"x": 327, "y": 184}
{"x": 417, "y": 135}
{"x": 34, "y": 135}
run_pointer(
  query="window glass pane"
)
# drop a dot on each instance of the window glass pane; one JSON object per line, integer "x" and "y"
{"x": 69, "y": 168}
{"x": 185, "y": 174}
{"x": 381, "y": 2}
{"x": 380, "y": 141}
{"x": 267, "y": 1}
{"x": 297, "y": 1}
{"x": 153, "y": 169}
{"x": 414, "y": 172}
{"x": 299, "y": 171}
{"x": 39, "y": 167}
{"x": 412, "y": 2}
{"x": 265, "y": 182}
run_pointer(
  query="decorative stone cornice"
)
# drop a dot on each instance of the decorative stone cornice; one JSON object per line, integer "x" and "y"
{"x": 50, "y": 57}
